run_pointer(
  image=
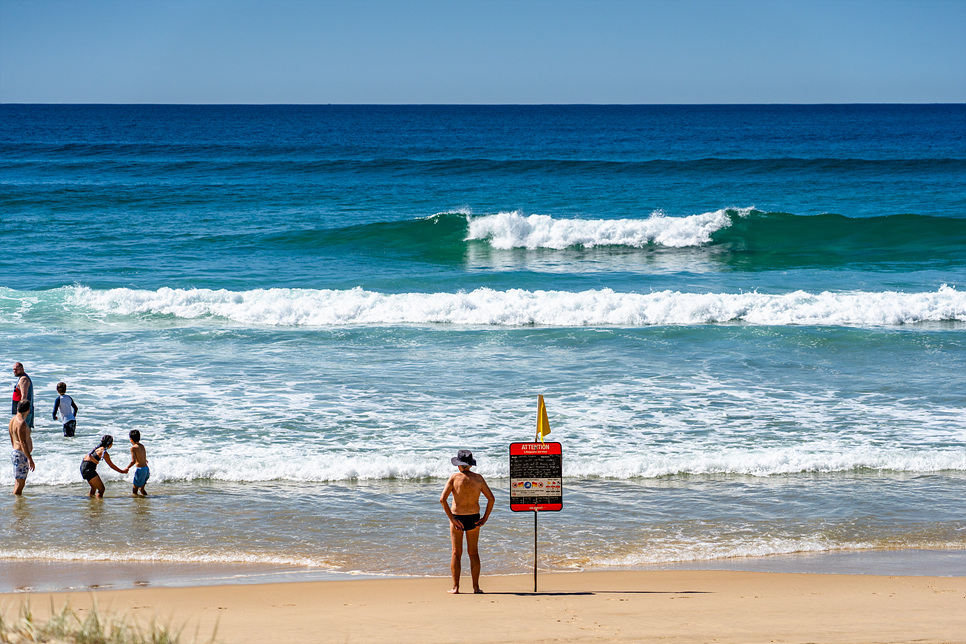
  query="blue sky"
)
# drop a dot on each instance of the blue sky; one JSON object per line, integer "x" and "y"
{"x": 487, "y": 51}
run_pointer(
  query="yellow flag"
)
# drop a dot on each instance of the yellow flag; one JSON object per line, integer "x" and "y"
{"x": 543, "y": 423}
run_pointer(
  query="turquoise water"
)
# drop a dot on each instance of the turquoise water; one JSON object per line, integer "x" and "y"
{"x": 747, "y": 321}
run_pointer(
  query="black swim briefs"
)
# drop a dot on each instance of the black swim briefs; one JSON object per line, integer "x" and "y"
{"x": 468, "y": 521}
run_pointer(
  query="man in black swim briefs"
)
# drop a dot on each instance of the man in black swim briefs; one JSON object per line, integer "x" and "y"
{"x": 464, "y": 516}
{"x": 468, "y": 521}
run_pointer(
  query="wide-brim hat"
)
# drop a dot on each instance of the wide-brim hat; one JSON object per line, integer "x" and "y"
{"x": 463, "y": 457}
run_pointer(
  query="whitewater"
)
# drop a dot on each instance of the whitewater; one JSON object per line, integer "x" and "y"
{"x": 488, "y": 307}
{"x": 514, "y": 230}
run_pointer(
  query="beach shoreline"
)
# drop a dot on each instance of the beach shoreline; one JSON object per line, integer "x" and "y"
{"x": 31, "y": 575}
{"x": 638, "y": 606}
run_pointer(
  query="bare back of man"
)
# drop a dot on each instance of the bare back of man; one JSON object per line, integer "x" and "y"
{"x": 465, "y": 521}
{"x": 22, "y": 447}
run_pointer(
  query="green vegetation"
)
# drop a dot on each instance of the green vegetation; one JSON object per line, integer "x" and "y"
{"x": 67, "y": 627}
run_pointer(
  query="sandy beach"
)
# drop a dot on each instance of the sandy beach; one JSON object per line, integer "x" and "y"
{"x": 667, "y": 606}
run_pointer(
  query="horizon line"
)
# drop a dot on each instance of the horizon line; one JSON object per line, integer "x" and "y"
{"x": 92, "y": 103}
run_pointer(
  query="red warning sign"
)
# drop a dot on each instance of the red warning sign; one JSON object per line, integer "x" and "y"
{"x": 536, "y": 477}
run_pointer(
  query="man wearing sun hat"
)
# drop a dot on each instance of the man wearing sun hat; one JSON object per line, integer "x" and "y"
{"x": 464, "y": 515}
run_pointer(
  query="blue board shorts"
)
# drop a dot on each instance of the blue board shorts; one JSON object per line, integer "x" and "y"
{"x": 141, "y": 476}
{"x": 20, "y": 464}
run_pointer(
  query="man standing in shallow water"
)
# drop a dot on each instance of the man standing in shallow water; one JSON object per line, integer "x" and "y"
{"x": 464, "y": 516}
{"x": 23, "y": 391}
{"x": 22, "y": 447}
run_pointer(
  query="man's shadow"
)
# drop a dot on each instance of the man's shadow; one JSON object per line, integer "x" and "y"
{"x": 558, "y": 593}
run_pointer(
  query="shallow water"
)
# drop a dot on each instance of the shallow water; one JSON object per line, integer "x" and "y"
{"x": 397, "y": 528}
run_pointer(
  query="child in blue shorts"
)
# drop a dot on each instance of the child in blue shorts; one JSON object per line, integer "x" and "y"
{"x": 139, "y": 458}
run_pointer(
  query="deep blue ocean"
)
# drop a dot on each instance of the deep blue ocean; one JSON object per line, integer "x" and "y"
{"x": 748, "y": 322}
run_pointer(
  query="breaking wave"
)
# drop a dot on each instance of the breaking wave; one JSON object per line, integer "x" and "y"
{"x": 509, "y": 308}
{"x": 513, "y": 230}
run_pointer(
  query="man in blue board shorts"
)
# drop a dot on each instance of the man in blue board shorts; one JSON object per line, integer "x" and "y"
{"x": 464, "y": 516}
{"x": 22, "y": 446}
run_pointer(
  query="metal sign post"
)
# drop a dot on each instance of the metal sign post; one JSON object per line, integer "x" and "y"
{"x": 536, "y": 483}
{"x": 534, "y": 551}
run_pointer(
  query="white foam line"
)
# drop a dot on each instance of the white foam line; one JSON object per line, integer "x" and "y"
{"x": 52, "y": 554}
{"x": 321, "y": 465}
{"x": 517, "y": 307}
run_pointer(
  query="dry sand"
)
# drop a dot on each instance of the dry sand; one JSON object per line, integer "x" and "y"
{"x": 667, "y": 607}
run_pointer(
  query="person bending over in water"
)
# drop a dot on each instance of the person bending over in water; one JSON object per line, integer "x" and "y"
{"x": 88, "y": 468}
{"x": 464, "y": 516}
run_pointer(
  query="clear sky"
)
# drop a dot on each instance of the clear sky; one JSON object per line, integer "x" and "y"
{"x": 483, "y": 51}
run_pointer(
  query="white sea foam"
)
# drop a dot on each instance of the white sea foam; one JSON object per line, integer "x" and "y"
{"x": 239, "y": 463}
{"x": 658, "y": 551}
{"x": 216, "y": 406}
{"x": 85, "y": 555}
{"x": 507, "y": 230}
{"x": 768, "y": 462}
{"x": 517, "y": 307}
{"x": 666, "y": 551}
